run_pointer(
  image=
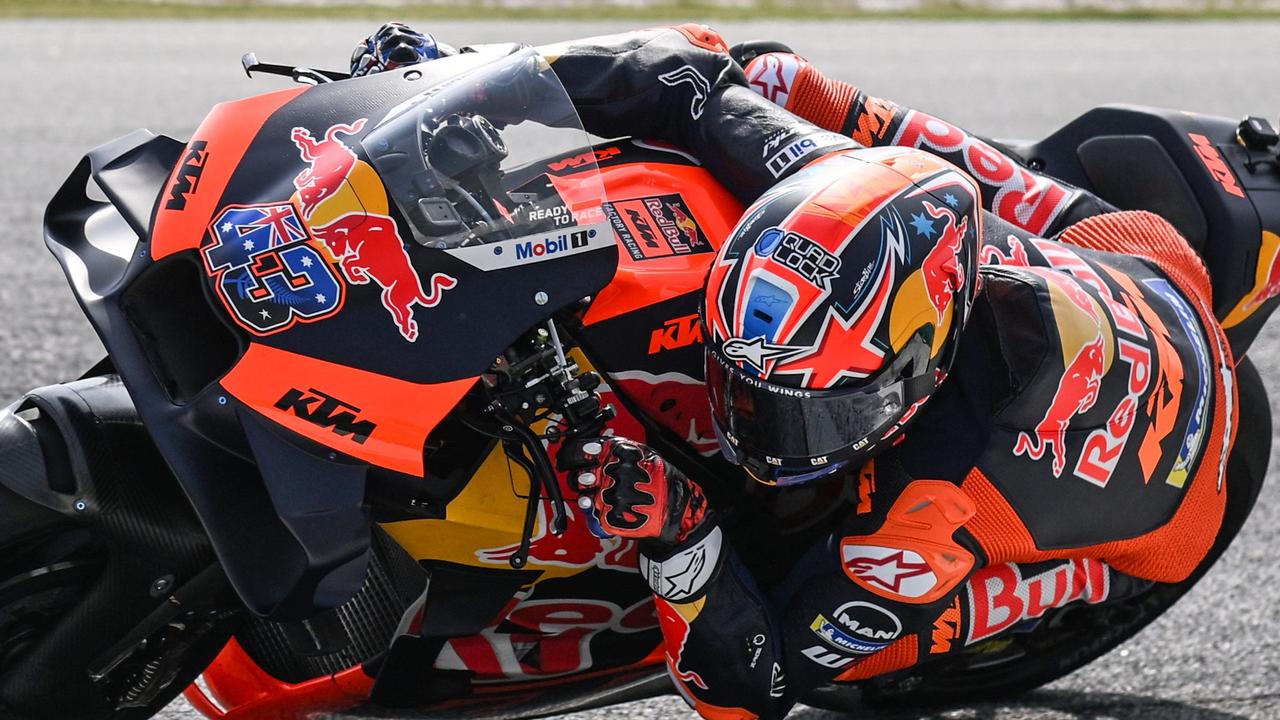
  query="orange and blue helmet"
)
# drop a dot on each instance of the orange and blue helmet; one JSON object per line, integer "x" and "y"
{"x": 834, "y": 309}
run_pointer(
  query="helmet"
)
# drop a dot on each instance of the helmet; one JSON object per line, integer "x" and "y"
{"x": 394, "y": 45}
{"x": 834, "y": 309}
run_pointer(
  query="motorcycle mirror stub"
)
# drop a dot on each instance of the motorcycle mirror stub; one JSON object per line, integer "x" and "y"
{"x": 1257, "y": 133}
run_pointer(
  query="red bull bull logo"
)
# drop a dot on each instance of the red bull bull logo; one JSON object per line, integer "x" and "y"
{"x": 350, "y": 220}
{"x": 943, "y": 270}
{"x": 369, "y": 249}
{"x": 330, "y": 162}
{"x": 1081, "y": 380}
{"x": 1266, "y": 283}
{"x": 577, "y": 547}
{"x": 1076, "y": 393}
{"x": 675, "y": 632}
{"x": 685, "y": 225}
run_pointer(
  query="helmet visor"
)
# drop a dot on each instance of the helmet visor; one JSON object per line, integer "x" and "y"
{"x": 798, "y": 430}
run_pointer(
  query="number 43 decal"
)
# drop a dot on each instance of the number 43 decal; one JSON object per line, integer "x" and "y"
{"x": 266, "y": 269}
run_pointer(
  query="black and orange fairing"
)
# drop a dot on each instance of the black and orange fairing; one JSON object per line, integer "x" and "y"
{"x": 331, "y": 336}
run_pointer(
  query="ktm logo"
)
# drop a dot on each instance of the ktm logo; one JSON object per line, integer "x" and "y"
{"x": 946, "y": 629}
{"x": 327, "y": 411}
{"x": 578, "y": 161}
{"x": 188, "y": 176}
{"x": 646, "y": 231}
{"x": 873, "y": 121}
{"x": 1217, "y": 167}
{"x": 675, "y": 334}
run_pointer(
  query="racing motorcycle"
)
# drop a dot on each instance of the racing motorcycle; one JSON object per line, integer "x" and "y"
{"x": 348, "y": 325}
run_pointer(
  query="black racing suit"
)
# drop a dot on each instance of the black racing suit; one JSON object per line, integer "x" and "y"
{"x": 1075, "y": 454}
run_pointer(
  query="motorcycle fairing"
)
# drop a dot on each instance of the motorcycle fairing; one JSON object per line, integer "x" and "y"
{"x": 362, "y": 335}
{"x": 161, "y": 321}
{"x": 1217, "y": 193}
{"x": 99, "y": 253}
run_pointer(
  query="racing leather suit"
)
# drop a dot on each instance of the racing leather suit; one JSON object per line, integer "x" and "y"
{"x": 1076, "y": 452}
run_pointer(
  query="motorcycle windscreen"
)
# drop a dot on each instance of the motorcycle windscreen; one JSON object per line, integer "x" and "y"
{"x": 456, "y": 160}
{"x": 484, "y": 246}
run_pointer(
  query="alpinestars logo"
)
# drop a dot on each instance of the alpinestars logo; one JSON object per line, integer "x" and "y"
{"x": 701, "y": 88}
{"x": 757, "y": 353}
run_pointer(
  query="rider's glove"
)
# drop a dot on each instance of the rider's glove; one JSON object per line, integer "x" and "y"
{"x": 394, "y": 45}
{"x": 627, "y": 490}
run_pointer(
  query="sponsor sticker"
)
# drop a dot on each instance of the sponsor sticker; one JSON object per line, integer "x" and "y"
{"x": 801, "y": 255}
{"x": 535, "y": 248}
{"x": 1196, "y": 426}
{"x": 676, "y": 333}
{"x": 893, "y": 570}
{"x": 186, "y": 180}
{"x": 656, "y": 227}
{"x": 681, "y": 577}
{"x": 326, "y": 411}
{"x": 1001, "y": 596}
{"x": 858, "y": 627}
{"x": 267, "y": 270}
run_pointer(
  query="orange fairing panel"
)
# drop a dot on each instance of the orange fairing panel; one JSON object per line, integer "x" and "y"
{"x": 219, "y": 144}
{"x": 643, "y": 282}
{"x": 240, "y": 690}
{"x": 372, "y": 417}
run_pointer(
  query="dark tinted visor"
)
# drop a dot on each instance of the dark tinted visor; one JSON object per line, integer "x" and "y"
{"x": 795, "y": 428}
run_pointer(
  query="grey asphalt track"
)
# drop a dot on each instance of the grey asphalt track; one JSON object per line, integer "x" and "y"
{"x": 66, "y": 86}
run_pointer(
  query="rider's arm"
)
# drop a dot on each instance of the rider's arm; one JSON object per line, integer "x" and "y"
{"x": 1032, "y": 201}
{"x": 680, "y": 85}
{"x": 723, "y": 649}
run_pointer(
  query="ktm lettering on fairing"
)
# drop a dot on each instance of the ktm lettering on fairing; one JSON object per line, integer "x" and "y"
{"x": 187, "y": 180}
{"x": 1214, "y": 163}
{"x": 1030, "y": 202}
{"x": 326, "y": 411}
{"x": 577, "y": 161}
{"x": 676, "y": 333}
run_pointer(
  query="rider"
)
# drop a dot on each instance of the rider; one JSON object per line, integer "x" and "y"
{"x": 1021, "y": 423}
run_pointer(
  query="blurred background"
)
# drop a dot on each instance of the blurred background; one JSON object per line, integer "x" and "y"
{"x": 79, "y": 73}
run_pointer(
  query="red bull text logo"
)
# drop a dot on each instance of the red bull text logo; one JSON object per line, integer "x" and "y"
{"x": 1078, "y": 389}
{"x": 1000, "y": 597}
{"x": 1032, "y": 202}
